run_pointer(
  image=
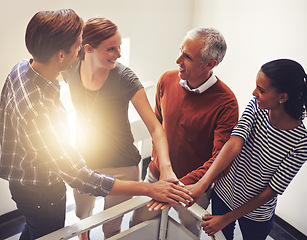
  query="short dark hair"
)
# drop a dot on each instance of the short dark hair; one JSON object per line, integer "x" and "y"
{"x": 52, "y": 31}
{"x": 95, "y": 31}
{"x": 288, "y": 76}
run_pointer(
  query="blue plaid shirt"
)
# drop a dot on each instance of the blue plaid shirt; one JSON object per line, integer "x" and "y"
{"x": 34, "y": 136}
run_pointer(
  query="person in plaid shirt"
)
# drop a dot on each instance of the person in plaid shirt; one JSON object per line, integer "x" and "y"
{"x": 36, "y": 154}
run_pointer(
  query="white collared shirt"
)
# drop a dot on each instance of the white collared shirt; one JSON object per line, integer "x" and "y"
{"x": 210, "y": 82}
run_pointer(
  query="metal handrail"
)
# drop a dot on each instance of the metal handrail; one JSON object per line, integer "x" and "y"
{"x": 117, "y": 211}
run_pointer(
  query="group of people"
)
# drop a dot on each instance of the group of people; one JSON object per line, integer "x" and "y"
{"x": 201, "y": 151}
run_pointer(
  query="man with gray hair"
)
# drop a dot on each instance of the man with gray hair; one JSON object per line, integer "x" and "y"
{"x": 198, "y": 112}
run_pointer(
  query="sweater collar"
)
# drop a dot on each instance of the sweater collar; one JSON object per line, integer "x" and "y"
{"x": 207, "y": 84}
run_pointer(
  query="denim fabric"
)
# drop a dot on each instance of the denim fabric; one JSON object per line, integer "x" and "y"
{"x": 43, "y": 208}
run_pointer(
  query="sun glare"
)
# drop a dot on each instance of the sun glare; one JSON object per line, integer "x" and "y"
{"x": 65, "y": 93}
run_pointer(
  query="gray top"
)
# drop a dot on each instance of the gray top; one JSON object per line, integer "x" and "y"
{"x": 106, "y": 140}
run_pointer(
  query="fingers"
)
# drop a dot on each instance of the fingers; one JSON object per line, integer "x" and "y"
{"x": 177, "y": 196}
{"x": 154, "y": 205}
{"x": 210, "y": 232}
{"x": 174, "y": 181}
{"x": 179, "y": 186}
{"x": 207, "y": 217}
{"x": 163, "y": 206}
{"x": 151, "y": 203}
{"x": 190, "y": 204}
{"x": 206, "y": 225}
{"x": 165, "y": 191}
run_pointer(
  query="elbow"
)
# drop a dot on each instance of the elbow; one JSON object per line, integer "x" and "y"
{"x": 235, "y": 144}
{"x": 270, "y": 192}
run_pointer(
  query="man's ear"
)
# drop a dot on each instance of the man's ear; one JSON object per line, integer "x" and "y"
{"x": 61, "y": 55}
{"x": 210, "y": 64}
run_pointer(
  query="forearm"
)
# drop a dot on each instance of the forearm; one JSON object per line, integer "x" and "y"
{"x": 163, "y": 191}
{"x": 214, "y": 223}
{"x": 162, "y": 151}
{"x": 130, "y": 188}
{"x": 229, "y": 151}
{"x": 161, "y": 146}
{"x": 251, "y": 205}
{"x": 157, "y": 133}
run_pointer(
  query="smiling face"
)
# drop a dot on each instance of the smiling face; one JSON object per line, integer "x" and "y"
{"x": 190, "y": 60}
{"x": 267, "y": 96}
{"x": 191, "y": 65}
{"x": 107, "y": 52}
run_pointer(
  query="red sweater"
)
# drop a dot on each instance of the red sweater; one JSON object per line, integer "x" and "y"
{"x": 196, "y": 125}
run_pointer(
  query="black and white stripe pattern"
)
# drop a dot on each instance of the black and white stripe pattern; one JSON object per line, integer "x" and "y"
{"x": 270, "y": 156}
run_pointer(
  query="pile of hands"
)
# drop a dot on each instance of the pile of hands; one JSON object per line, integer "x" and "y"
{"x": 175, "y": 192}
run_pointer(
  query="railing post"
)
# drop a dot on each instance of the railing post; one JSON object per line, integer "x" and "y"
{"x": 163, "y": 224}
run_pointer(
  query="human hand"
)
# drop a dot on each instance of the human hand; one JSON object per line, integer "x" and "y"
{"x": 155, "y": 205}
{"x": 169, "y": 192}
{"x": 196, "y": 190}
{"x": 213, "y": 224}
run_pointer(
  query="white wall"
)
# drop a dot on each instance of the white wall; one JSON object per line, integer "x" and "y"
{"x": 155, "y": 28}
{"x": 257, "y": 32}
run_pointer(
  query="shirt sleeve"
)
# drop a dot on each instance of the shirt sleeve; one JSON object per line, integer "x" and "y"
{"x": 48, "y": 139}
{"x": 130, "y": 83}
{"x": 244, "y": 125}
{"x": 228, "y": 118}
{"x": 289, "y": 167}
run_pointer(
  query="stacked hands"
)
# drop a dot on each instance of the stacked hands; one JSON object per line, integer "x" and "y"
{"x": 183, "y": 196}
{"x": 179, "y": 194}
{"x": 167, "y": 192}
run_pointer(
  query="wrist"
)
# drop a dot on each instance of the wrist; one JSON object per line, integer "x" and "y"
{"x": 147, "y": 189}
{"x": 165, "y": 168}
{"x": 165, "y": 165}
{"x": 168, "y": 174}
{"x": 229, "y": 218}
{"x": 202, "y": 184}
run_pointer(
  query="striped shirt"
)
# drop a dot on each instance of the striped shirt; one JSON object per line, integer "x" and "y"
{"x": 34, "y": 136}
{"x": 269, "y": 157}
